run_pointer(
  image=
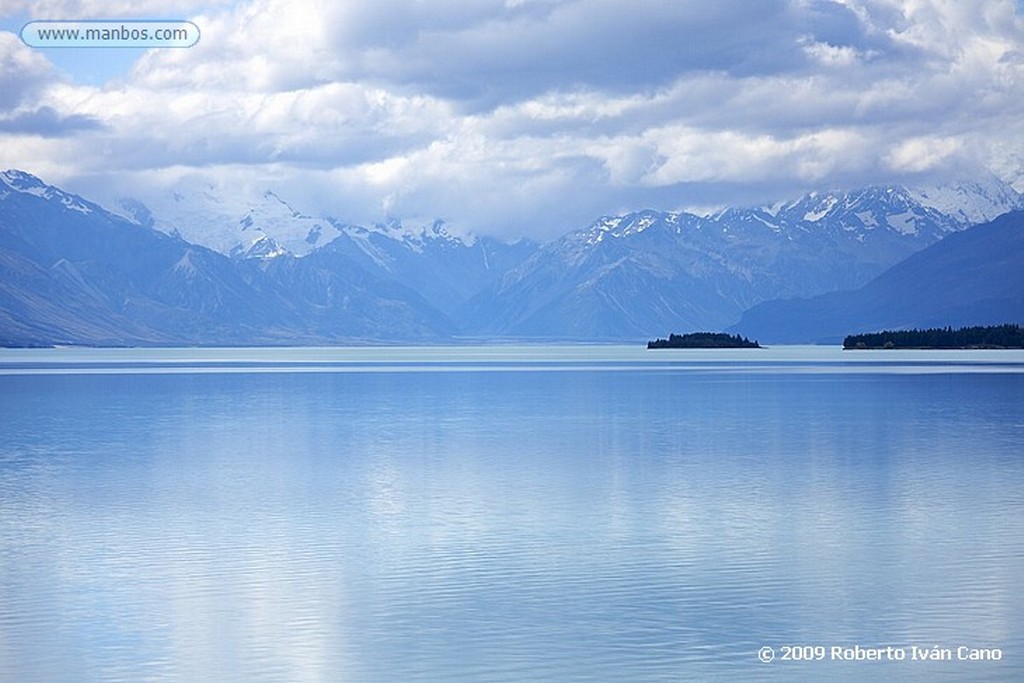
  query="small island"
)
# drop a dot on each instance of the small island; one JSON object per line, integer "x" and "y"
{"x": 703, "y": 340}
{"x": 992, "y": 337}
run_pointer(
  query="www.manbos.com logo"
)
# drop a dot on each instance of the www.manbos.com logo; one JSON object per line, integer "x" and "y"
{"x": 110, "y": 33}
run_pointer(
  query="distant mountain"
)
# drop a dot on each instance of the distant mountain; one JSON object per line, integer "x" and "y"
{"x": 633, "y": 276}
{"x": 970, "y": 202}
{"x": 239, "y": 222}
{"x": 443, "y": 268}
{"x": 201, "y": 267}
{"x": 73, "y": 273}
{"x": 975, "y": 277}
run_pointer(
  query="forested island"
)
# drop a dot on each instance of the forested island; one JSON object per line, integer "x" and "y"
{"x": 703, "y": 340}
{"x": 991, "y": 337}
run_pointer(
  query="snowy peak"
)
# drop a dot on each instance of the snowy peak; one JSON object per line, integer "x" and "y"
{"x": 418, "y": 238}
{"x": 819, "y": 207}
{"x": 629, "y": 225}
{"x": 251, "y": 223}
{"x": 954, "y": 205}
{"x": 262, "y": 248}
{"x": 25, "y": 183}
{"x": 238, "y": 222}
{"x": 625, "y": 276}
{"x": 259, "y": 223}
{"x": 970, "y": 202}
{"x": 20, "y": 181}
{"x": 858, "y": 213}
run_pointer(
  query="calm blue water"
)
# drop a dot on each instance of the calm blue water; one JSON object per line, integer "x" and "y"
{"x": 507, "y": 513}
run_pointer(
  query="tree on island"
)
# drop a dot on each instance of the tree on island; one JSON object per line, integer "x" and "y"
{"x": 703, "y": 340}
{"x": 993, "y": 337}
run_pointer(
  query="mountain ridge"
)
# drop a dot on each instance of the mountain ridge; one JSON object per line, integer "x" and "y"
{"x": 630, "y": 276}
{"x": 974, "y": 277}
{"x": 625, "y": 277}
{"x": 74, "y": 273}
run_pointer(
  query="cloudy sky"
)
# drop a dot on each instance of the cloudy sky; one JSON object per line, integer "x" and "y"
{"x": 516, "y": 117}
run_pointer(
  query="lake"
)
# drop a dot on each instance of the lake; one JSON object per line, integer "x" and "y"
{"x": 510, "y": 513}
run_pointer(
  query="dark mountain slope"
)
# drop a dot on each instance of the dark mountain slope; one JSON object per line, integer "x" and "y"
{"x": 975, "y": 277}
{"x": 73, "y": 273}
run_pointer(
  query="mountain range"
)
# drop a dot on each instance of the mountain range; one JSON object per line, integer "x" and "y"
{"x": 72, "y": 272}
{"x": 974, "y": 277}
{"x": 195, "y": 267}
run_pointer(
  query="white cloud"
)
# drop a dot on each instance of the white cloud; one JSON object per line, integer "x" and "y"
{"x": 828, "y": 55}
{"x": 23, "y": 71}
{"x": 102, "y": 9}
{"x": 533, "y": 115}
{"x": 919, "y": 155}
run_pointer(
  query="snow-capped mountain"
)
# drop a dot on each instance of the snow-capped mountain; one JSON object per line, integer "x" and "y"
{"x": 446, "y": 269}
{"x": 970, "y": 202}
{"x": 238, "y": 222}
{"x": 72, "y": 272}
{"x": 252, "y": 223}
{"x": 14, "y": 182}
{"x": 264, "y": 272}
{"x": 646, "y": 273}
{"x": 974, "y": 277}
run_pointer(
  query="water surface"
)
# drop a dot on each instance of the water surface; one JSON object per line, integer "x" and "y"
{"x": 507, "y": 513}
